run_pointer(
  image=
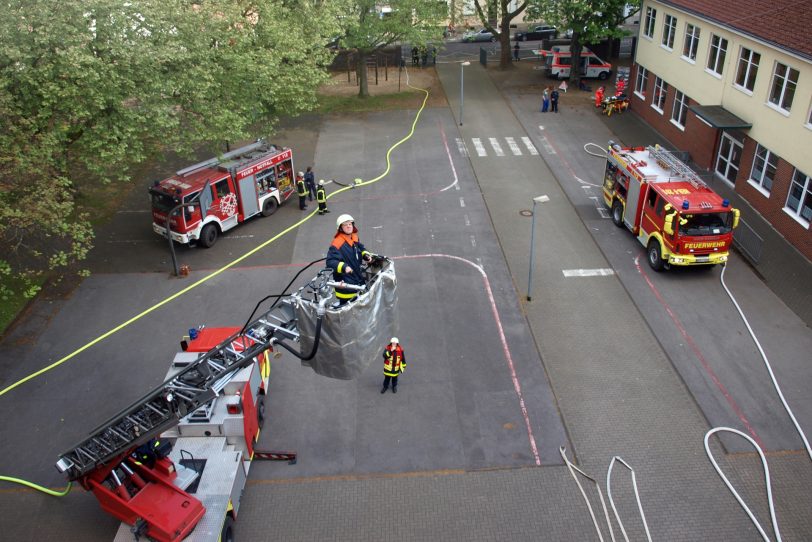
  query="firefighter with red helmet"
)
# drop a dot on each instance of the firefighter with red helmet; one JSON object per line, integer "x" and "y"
{"x": 344, "y": 257}
{"x": 394, "y": 363}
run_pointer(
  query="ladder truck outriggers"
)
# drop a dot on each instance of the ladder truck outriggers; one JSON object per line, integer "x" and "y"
{"x": 173, "y": 465}
{"x": 674, "y": 214}
{"x": 204, "y": 200}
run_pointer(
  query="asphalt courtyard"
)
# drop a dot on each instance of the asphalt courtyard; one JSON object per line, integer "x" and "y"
{"x": 616, "y": 394}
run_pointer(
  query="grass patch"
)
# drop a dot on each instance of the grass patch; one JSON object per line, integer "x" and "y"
{"x": 354, "y": 104}
{"x": 10, "y": 307}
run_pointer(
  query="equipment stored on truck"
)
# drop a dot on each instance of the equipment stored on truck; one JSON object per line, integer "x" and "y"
{"x": 173, "y": 465}
{"x": 204, "y": 200}
{"x": 673, "y": 213}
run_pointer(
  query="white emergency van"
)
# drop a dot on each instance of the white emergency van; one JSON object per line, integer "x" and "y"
{"x": 558, "y": 62}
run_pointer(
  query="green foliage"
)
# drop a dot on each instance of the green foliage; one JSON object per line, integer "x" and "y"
{"x": 91, "y": 88}
{"x": 499, "y": 10}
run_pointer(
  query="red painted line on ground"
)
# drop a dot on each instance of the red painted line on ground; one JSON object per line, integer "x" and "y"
{"x": 506, "y": 350}
{"x": 698, "y": 353}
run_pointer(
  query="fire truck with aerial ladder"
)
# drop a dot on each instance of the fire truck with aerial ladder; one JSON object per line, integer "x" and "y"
{"x": 218, "y": 194}
{"x": 674, "y": 214}
{"x": 173, "y": 465}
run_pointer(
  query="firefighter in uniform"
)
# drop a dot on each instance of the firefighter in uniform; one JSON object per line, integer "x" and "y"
{"x": 344, "y": 257}
{"x": 394, "y": 363}
{"x": 321, "y": 198}
{"x": 301, "y": 189}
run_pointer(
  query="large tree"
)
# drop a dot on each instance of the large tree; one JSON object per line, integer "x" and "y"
{"x": 368, "y": 29}
{"x": 91, "y": 88}
{"x": 497, "y": 13}
{"x": 590, "y": 21}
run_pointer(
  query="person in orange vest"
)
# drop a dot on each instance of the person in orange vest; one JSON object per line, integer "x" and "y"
{"x": 344, "y": 257}
{"x": 599, "y": 96}
{"x": 394, "y": 363}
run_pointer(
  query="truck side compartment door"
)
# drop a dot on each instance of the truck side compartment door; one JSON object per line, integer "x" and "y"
{"x": 248, "y": 196}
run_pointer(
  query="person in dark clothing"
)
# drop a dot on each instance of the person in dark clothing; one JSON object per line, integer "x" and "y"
{"x": 516, "y": 52}
{"x": 345, "y": 256}
{"x": 394, "y": 363}
{"x": 301, "y": 190}
{"x": 554, "y": 101}
{"x": 415, "y": 56}
{"x": 321, "y": 198}
{"x": 310, "y": 182}
{"x": 424, "y": 56}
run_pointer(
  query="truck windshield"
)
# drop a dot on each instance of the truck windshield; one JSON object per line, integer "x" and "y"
{"x": 162, "y": 202}
{"x": 706, "y": 224}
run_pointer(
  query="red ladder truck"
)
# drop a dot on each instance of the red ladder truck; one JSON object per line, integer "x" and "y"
{"x": 673, "y": 213}
{"x": 213, "y": 196}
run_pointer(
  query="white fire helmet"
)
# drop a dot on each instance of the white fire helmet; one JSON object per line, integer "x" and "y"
{"x": 394, "y": 340}
{"x": 321, "y": 182}
{"x": 343, "y": 218}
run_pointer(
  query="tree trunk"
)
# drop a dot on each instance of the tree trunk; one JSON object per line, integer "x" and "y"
{"x": 575, "y": 57}
{"x": 504, "y": 42}
{"x": 361, "y": 73}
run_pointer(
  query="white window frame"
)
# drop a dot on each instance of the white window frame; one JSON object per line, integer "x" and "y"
{"x": 806, "y": 192}
{"x": 809, "y": 116}
{"x": 786, "y": 82}
{"x": 641, "y": 82}
{"x": 691, "y": 44}
{"x": 650, "y": 23}
{"x": 660, "y": 94}
{"x": 717, "y": 54}
{"x": 765, "y": 165}
{"x": 679, "y": 112}
{"x": 669, "y": 32}
{"x": 750, "y": 65}
{"x": 734, "y": 143}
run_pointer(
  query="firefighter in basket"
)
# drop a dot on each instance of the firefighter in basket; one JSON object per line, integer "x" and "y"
{"x": 345, "y": 256}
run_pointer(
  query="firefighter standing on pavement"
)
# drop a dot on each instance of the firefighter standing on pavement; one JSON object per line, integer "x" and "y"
{"x": 301, "y": 189}
{"x": 394, "y": 363}
{"x": 321, "y": 198}
{"x": 344, "y": 257}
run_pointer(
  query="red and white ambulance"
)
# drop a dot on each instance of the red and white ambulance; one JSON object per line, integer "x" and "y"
{"x": 558, "y": 63}
{"x": 211, "y": 197}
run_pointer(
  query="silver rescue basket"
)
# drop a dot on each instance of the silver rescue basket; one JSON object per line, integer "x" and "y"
{"x": 354, "y": 334}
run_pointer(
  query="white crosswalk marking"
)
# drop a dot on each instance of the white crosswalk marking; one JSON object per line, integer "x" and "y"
{"x": 530, "y": 146}
{"x": 480, "y": 148}
{"x": 497, "y": 148}
{"x": 587, "y": 272}
{"x": 461, "y": 146}
{"x": 514, "y": 147}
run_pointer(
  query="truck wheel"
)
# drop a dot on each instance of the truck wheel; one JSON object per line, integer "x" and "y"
{"x": 617, "y": 213}
{"x": 603, "y": 76}
{"x": 208, "y": 236}
{"x": 227, "y": 534}
{"x": 269, "y": 207}
{"x": 654, "y": 259}
{"x": 261, "y": 411}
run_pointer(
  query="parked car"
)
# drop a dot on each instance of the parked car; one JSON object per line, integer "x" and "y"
{"x": 541, "y": 32}
{"x": 479, "y": 35}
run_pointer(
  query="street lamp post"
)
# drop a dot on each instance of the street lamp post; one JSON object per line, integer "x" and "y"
{"x": 462, "y": 81}
{"x": 538, "y": 199}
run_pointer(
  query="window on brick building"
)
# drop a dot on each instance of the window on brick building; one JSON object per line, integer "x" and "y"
{"x": 782, "y": 91}
{"x": 651, "y": 18}
{"x": 669, "y": 31}
{"x": 765, "y": 164}
{"x": 680, "y": 110}
{"x": 641, "y": 83}
{"x": 691, "y": 42}
{"x": 716, "y": 56}
{"x": 799, "y": 200}
{"x": 728, "y": 157}
{"x": 659, "y": 94}
{"x": 748, "y": 68}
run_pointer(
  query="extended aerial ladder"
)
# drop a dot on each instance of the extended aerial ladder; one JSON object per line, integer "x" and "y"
{"x": 127, "y": 466}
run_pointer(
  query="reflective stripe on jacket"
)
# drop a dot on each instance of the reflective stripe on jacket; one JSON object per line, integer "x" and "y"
{"x": 394, "y": 362}
{"x": 301, "y": 189}
{"x": 346, "y": 251}
{"x": 321, "y": 195}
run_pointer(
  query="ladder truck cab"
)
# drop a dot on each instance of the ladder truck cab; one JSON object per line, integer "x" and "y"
{"x": 673, "y": 213}
{"x": 204, "y": 200}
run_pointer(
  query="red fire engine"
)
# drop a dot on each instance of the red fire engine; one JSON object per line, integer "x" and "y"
{"x": 673, "y": 213}
{"x": 217, "y": 194}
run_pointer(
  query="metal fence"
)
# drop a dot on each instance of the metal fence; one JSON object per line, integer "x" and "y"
{"x": 748, "y": 241}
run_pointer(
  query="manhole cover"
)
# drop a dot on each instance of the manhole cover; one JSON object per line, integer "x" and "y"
{"x": 526, "y": 212}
